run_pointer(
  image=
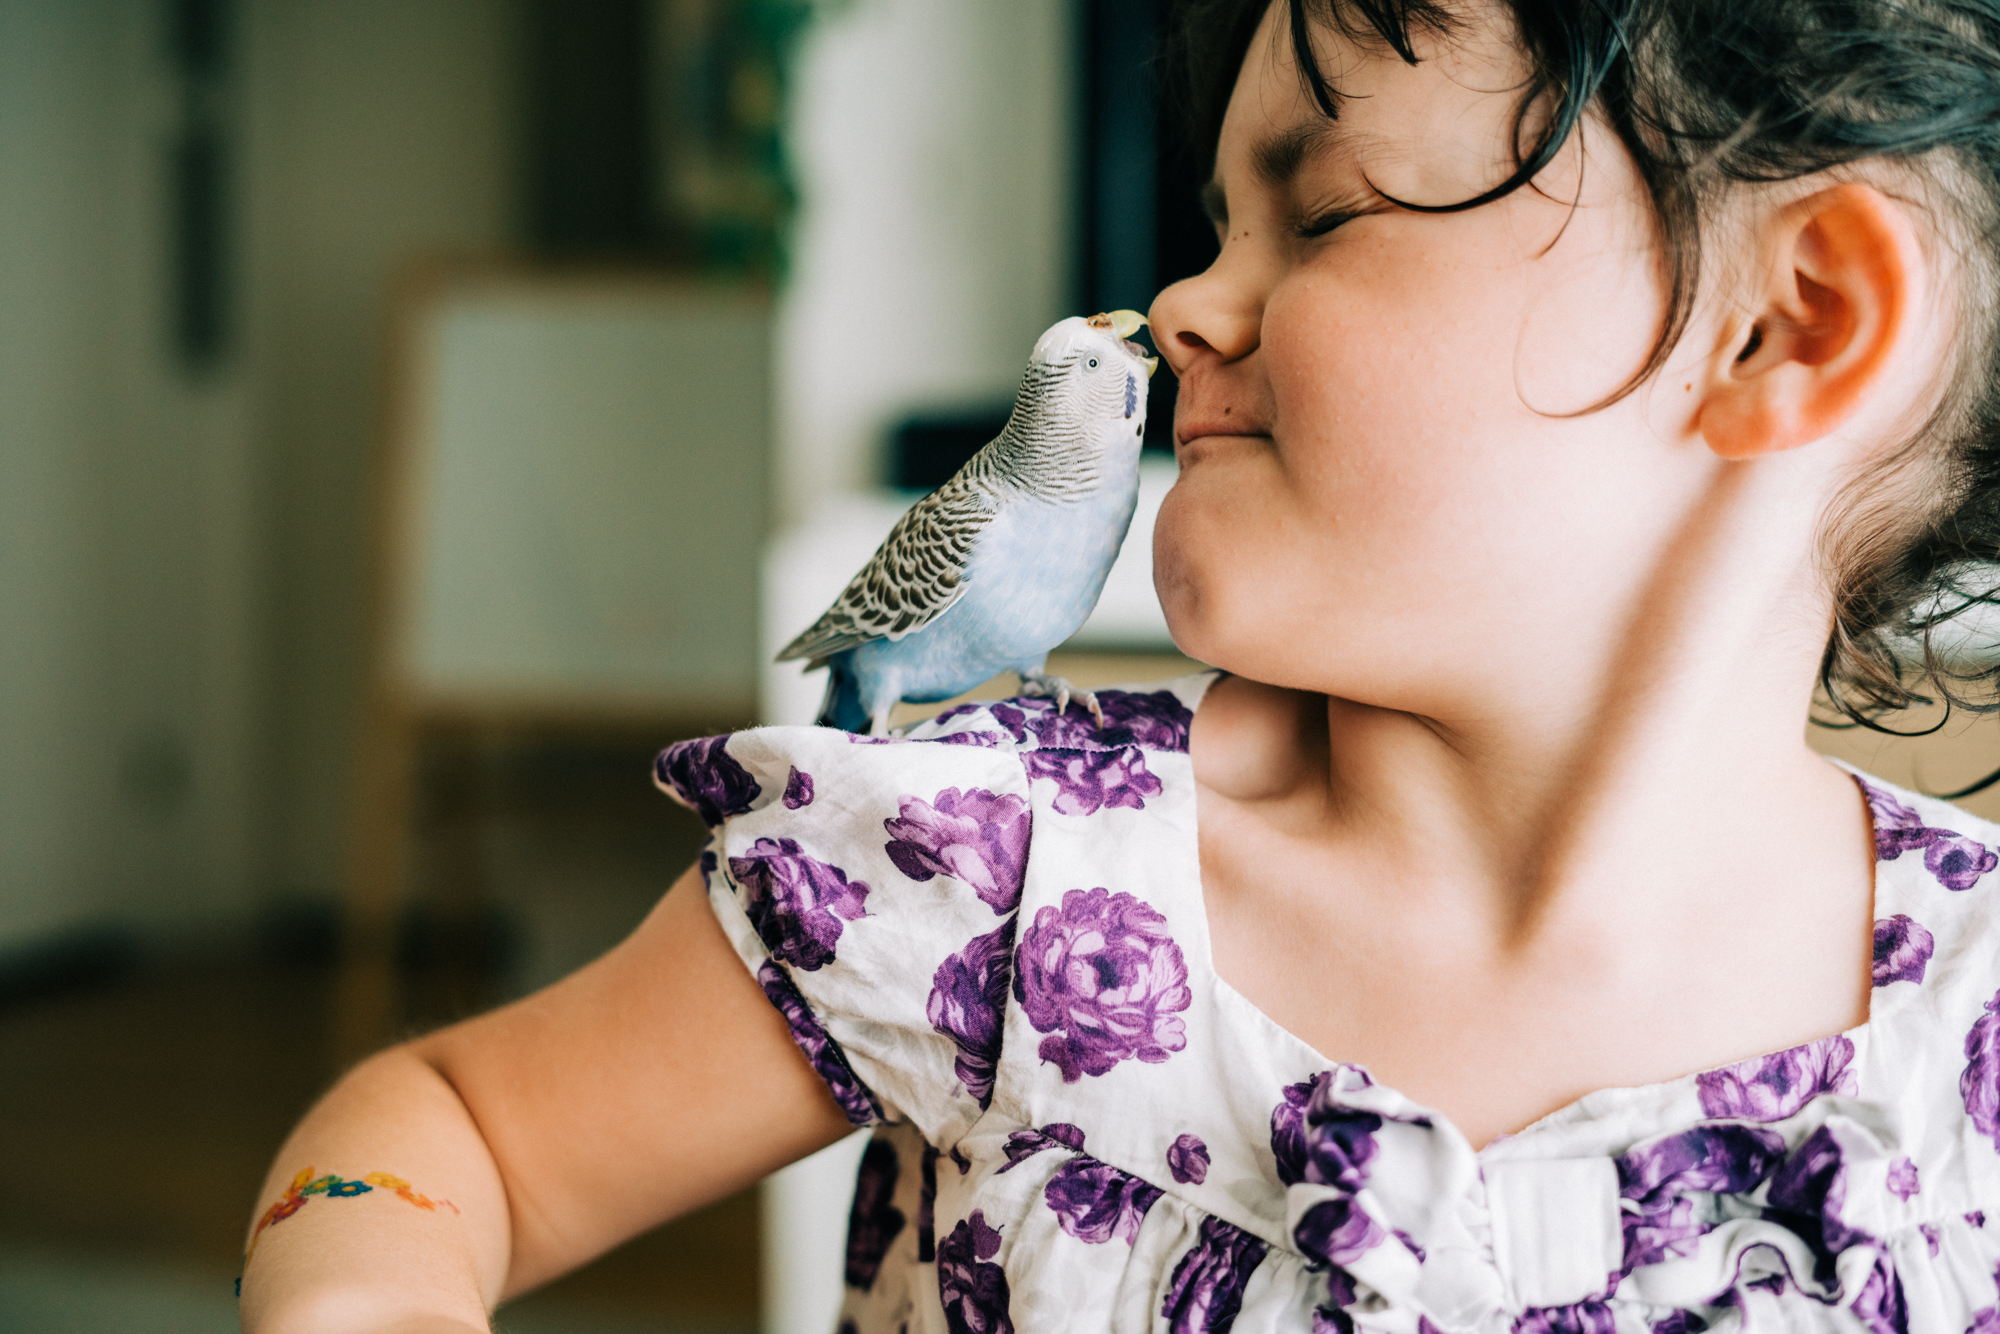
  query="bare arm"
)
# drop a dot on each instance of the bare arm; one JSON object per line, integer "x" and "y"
{"x": 652, "y": 1082}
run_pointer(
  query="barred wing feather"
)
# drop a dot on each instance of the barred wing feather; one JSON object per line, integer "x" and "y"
{"x": 917, "y": 574}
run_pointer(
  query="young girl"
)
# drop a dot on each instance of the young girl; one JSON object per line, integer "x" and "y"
{"x": 1580, "y": 382}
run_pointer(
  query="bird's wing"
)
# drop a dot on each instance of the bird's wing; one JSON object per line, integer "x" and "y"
{"x": 916, "y": 576}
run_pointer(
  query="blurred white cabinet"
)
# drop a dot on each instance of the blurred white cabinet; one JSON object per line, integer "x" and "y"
{"x": 571, "y": 502}
{"x": 582, "y": 479}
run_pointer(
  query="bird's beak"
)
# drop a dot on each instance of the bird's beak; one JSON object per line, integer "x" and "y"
{"x": 1125, "y": 323}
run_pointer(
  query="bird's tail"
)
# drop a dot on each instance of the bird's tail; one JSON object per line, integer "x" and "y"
{"x": 842, "y": 705}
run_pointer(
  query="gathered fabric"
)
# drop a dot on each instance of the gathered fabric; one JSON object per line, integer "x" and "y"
{"x": 988, "y": 938}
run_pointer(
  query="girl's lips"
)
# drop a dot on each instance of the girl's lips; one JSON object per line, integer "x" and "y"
{"x": 1188, "y": 432}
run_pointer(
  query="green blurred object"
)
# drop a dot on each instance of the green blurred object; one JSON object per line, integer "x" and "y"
{"x": 725, "y": 179}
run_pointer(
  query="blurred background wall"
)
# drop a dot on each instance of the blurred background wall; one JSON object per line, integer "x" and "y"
{"x": 371, "y": 130}
{"x": 183, "y": 525}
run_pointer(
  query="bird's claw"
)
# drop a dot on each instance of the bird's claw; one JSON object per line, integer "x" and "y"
{"x": 1062, "y": 692}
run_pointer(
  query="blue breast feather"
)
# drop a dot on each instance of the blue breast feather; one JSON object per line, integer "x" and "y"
{"x": 1035, "y": 575}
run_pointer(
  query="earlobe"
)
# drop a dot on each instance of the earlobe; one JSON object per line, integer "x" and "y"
{"x": 1843, "y": 270}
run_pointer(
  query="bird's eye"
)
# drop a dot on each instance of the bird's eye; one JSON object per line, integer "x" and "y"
{"x": 1092, "y": 363}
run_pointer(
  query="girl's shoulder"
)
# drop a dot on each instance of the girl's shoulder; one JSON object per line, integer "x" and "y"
{"x": 1149, "y": 717}
{"x": 871, "y": 885}
{"x": 720, "y": 777}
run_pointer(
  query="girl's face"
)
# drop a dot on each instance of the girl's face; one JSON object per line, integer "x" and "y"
{"x": 1377, "y": 498}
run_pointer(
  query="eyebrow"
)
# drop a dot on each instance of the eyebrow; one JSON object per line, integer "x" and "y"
{"x": 1276, "y": 159}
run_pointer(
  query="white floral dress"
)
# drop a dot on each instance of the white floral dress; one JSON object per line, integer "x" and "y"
{"x": 989, "y": 939}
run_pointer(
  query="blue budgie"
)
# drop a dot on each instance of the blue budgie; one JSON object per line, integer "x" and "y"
{"x": 1004, "y": 561}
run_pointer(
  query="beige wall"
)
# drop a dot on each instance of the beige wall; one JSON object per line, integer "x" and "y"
{"x": 379, "y": 129}
{"x": 124, "y": 613}
{"x": 180, "y": 559}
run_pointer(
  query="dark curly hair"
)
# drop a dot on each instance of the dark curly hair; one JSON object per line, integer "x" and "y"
{"x": 1710, "y": 95}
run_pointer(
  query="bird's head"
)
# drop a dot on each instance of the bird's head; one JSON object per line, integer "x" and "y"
{"x": 1090, "y": 365}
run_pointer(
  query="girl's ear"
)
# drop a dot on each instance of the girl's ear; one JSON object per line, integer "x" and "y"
{"x": 1828, "y": 315}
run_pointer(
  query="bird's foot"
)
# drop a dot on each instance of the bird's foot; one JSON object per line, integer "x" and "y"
{"x": 1062, "y": 692}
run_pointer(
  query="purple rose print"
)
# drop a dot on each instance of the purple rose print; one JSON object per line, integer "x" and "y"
{"x": 873, "y": 1222}
{"x": 1671, "y": 1231}
{"x": 1880, "y": 1305}
{"x": 1155, "y": 721}
{"x": 1332, "y": 1320}
{"x": 1095, "y": 1202}
{"x": 1929, "y": 1232}
{"x": 1807, "y": 1195}
{"x": 1316, "y": 1138}
{"x": 968, "y": 998}
{"x": 1015, "y": 714}
{"x": 1582, "y": 1318}
{"x": 1680, "y": 1322}
{"x": 1955, "y": 860}
{"x": 703, "y": 777}
{"x": 1022, "y": 1145}
{"x": 973, "y": 1291}
{"x": 1087, "y": 781}
{"x": 1903, "y": 1179}
{"x": 1101, "y": 976}
{"x": 1724, "y": 1160}
{"x": 1958, "y": 862}
{"x": 822, "y": 1052}
{"x": 980, "y": 838}
{"x": 1898, "y": 829}
{"x": 1902, "y": 950}
{"x": 1979, "y": 1086}
{"x": 973, "y": 709}
{"x": 1986, "y": 1320}
{"x": 1187, "y": 1159}
{"x": 798, "y": 789}
{"x": 1771, "y": 1088}
{"x": 1206, "y": 1290}
{"x": 1978, "y": 1219}
{"x": 1336, "y": 1232}
{"x": 796, "y": 902}
{"x": 966, "y": 738}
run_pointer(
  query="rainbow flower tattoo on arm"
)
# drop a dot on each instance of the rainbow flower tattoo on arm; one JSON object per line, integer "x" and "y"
{"x": 305, "y": 1185}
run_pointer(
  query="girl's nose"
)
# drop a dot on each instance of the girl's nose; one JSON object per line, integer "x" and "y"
{"x": 1213, "y": 313}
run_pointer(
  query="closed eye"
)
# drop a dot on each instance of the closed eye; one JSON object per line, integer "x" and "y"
{"x": 1319, "y": 226}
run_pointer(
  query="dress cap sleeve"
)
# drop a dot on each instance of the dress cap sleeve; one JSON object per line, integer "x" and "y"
{"x": 871, "y": 888}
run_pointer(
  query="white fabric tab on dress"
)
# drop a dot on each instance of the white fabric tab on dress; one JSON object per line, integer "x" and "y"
{"x": 1556, "y": 1237}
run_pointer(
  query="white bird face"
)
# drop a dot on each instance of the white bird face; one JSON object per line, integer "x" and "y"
{"x": 1094, "y": 369}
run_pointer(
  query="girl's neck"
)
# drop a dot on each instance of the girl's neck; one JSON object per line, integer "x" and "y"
{"x": 1688, "y": 696}
{"x": 1628, "y": 868}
